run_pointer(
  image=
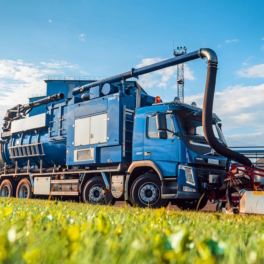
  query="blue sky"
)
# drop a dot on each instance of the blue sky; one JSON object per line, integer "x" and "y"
{"x": 102, "y": 38}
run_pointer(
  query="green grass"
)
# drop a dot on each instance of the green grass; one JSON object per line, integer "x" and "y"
{"x": 38, "y": 231}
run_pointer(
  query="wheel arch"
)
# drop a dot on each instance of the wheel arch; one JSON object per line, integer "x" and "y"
{"x": 138, "y": 168}
{"x": 87, "y": 176}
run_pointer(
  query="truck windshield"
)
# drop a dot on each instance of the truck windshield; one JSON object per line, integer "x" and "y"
{"x": 192, "y": 127}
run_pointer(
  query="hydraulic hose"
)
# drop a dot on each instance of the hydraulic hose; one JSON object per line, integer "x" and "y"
{"x": 208, "y": 110}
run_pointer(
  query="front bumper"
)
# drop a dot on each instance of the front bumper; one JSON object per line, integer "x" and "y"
{"x": 188, "y": 195}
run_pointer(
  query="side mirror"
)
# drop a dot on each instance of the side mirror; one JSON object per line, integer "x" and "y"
{"x": 161, "y": 122}
{"x": 163, "y": 135}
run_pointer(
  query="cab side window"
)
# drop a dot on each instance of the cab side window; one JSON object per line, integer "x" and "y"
{"x": 152, "y": 130}
{"x": 170, "y": 126}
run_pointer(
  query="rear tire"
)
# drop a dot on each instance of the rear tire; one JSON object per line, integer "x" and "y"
{"x": 24, "y": 189}
{"x": 191, "y": 204}
{"x": 6, "y": 189}
{"x": 146, "y": 192}
{"x": 95, "y": 192}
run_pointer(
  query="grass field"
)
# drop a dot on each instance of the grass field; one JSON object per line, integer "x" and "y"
{"x": 38, "y": 231}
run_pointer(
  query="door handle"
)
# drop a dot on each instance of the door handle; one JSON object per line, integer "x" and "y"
{"x": 147, "y": 153}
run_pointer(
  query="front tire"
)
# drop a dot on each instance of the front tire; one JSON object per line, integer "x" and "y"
{"x": 24, "y": 189}
{"x": 146, "y": 192}
{"x": 95, "y": 192}
{"x": 6, "y": 189}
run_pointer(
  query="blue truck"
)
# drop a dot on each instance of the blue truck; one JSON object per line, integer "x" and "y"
{"x": 108, "y": 140}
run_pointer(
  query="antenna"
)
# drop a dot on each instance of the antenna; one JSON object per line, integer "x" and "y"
{"x": 180, "y": 72}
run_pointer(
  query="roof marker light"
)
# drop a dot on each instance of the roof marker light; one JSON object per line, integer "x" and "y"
{"x": 157, "y": 100}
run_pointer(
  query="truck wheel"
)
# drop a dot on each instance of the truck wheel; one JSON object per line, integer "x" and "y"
{"x": 146, "y": 192}
{"x": 24, "y": 189}
{"x": 6, "y": 189}
{"x": 191, "y": 204}
{"x": 95, "y": 192}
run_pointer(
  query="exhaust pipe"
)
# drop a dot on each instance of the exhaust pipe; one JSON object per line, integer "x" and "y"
{"x": 208, "y": 110}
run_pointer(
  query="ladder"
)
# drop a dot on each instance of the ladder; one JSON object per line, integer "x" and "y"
{"x": 128, "y": 124}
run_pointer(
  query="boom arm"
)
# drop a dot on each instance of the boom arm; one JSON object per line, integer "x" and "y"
{"x": 46, "y": 100}
{"x": 20, "y": 111}
{"x": 140, "y": 71}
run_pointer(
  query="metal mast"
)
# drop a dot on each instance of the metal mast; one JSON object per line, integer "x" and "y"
{"x": 180, "y": 73}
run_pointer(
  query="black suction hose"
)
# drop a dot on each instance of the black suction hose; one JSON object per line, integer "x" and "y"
{"x": 208, "y": 110}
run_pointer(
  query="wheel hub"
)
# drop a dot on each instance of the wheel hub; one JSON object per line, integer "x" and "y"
{"x": 96, "y": 194}
{"x": 149, "y": 193}
{"x": 23, "y": 192}
{"x": 5, "y": 192}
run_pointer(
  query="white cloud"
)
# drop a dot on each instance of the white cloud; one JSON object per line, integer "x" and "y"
{"x": 245, "y": 63}
{"x": 81, "y": 37}
{"x": 20, "y": 80}
{"x": 161, "y": 78}
{"x": 50, "y": 21}
{"x": 262, "y": 38}
{"x": 256, "y": 71}
{"x": 241, "y": 111}
{"x": 250, "y": 139}
{"x": 59, "y": 65}
{"x": 231, "y": 40}
{"x": 84, "y": 73}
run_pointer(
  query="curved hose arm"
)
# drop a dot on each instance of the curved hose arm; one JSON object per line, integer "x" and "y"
{"x": 207, "y": 119}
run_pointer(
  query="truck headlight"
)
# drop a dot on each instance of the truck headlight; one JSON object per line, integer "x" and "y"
{"x": 188, "y": 174}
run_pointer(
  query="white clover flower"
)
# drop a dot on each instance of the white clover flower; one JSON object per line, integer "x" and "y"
{"x": 252, "y": 256}
{"x": 135, "y": 244}
{"x": 50, "y": 217}
{"x": 11, "y": 235}
{"x": 177, "y": 240}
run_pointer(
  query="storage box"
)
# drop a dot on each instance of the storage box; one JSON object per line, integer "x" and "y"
{"x": 252, "y": 202}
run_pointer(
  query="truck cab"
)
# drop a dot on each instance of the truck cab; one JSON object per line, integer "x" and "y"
{"x": 179, "y": 149}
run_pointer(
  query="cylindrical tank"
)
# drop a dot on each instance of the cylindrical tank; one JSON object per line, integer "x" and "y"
{"x": 34, "y": 147}
{"x": 108, "y": 89}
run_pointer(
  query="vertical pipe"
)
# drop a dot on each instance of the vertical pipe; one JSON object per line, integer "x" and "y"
{"x": 105, "y": 181}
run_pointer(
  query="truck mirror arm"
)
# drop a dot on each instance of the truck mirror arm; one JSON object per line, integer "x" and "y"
{"x": 174, "y": 133}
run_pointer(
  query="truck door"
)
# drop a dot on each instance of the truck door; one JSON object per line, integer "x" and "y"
{"x": 163, "y": 152}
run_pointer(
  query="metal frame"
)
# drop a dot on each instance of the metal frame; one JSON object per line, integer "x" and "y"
{"x": 252, "y": 152}
{"x": 65, "y": 193}
{"x": 23, "y": 150}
